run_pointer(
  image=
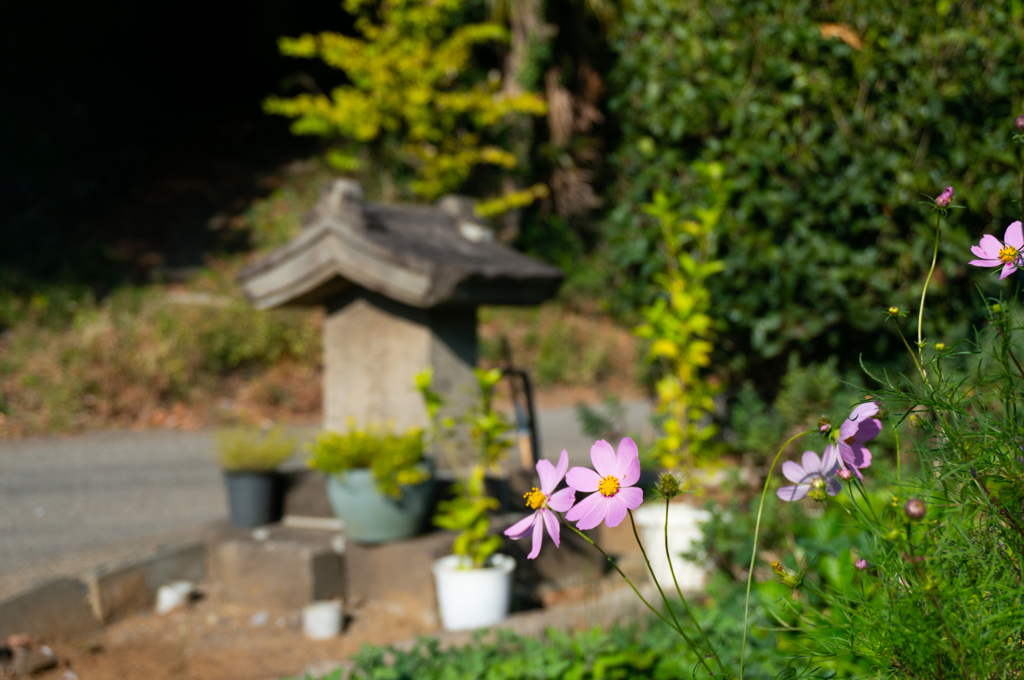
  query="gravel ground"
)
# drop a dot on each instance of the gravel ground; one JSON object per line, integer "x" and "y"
{"x": 67, "y": 504}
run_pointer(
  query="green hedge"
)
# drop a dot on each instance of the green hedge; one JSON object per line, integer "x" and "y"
{"x": 829, "y": 149}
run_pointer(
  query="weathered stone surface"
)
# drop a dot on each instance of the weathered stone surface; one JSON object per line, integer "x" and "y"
{"x": 288, "y": 570}
{"x": 123, "y": 588}
{"x": 400, "y": 569}
{"x": 420, "y": 256}
{"x": 54, "y": 610}
{"x": 374, "y": 346}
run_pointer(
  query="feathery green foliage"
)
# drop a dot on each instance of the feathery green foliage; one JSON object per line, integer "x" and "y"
{"x": 414, "y": 104}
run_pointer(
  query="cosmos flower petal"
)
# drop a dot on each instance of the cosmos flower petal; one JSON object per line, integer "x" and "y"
{"x": 1007, "y": 270}
{"x": 538, "y": 538}
{"x": 563, "y": 465}
{"x": 978, "y": 251}
{"x": 583, "y": 479}
{"x": 603, "y": 457}
{"x": 991, "y": 246}
{"x": 632, "y": 496}
{"x": 868, "y": 430}
{"x": 793, "y": 493}
{"x": 561, "y": 501}
{"x": 548, "y": 476}
{"x": 616, "y": 511}
{"x": 829, "y": 460}
{"x": 811, "y": 462}
{"x": 594, "y": 511}
{"x": 624, "y": 459}
{"x": 1014, "y": 236}
{"x": 520, "y": 528}
{"x": 986, "y": 263}
{"x": 631, "y": 474}
{"x": 578, "y": 511}
{"x": 863, "y": 411}
{"x": 793, "y": 472}
{"x": 551, "y": 524}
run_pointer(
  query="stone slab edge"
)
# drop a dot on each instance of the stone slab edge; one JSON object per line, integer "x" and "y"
{"x": 56, "y": 609}
{"x": 121, "y": 588}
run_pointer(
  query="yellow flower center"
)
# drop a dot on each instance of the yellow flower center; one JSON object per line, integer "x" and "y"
{"x": 1008, "y": 253}
{"x": 535, "y": 499}
{"x": 609, "y": 486}
{"x": 817, "y": 491}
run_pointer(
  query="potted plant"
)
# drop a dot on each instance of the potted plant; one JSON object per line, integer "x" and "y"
{"x": 249, "y": 458}
{"x": 474, "y": 584}
{"x": 378, "y": 482}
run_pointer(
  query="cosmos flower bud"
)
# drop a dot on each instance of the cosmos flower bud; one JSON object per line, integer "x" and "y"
{"x": 943, "y": 199}
{"x": 824, "y": 424}
{"x": 939, "y": 346}
{"x": 787, "y": 576}
{"x": 893, "y": 311}
{"x": 668, "y": 486}
{"x": 915, "y": 421}
{"x": 915, "y": 508}
{"x": 1019, "y": 123}
{"x": 845, "y": 475}
{"x": 861, "y": 564}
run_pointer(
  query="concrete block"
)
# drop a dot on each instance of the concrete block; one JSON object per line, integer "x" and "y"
{"x": 55, "y": 610}
{"x": 119, "y": 589}
{"x": 288, "y": 570}
{"x": 397, "y": 569}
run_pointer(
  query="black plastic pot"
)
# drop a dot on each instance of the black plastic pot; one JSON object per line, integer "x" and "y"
{"x": 254, "y": 498}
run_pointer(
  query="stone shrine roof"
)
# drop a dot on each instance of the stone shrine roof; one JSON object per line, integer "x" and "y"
{"x": 422, "y": 256}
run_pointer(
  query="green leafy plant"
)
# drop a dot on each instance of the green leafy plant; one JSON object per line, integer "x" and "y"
{"x": 396, "y": 460}
{"x": 468, "y": 512}
{"x": 679, "y": 325}
{"x": 245, "y": 449}
{"x": 832, "y": 119}
{"x": 414, "y": 103}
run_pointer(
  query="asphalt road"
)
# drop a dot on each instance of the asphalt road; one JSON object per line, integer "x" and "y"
{"x": 67, "y": 504}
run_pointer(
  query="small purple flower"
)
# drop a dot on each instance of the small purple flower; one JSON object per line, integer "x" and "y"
{"x": 1019, "y": 123}
{"x": 543, "y": 501}
{"x": 1005, "y": 254}
{"x": 861, "y": 564}
{"x": 814, "y": 478}
{"x": 611, "y": 488}
{"x": 848, "y": 442}
{"x": 943, "y": 199}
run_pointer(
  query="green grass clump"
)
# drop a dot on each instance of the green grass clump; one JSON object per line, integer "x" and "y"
{"x": 244, "y": 449}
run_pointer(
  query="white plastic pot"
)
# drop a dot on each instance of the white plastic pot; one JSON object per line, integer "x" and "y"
{"x": 683, "y": 534}
{"x": 473, "y": 598}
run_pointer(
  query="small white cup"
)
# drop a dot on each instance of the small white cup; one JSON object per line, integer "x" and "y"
{"x": 322, "y": 620}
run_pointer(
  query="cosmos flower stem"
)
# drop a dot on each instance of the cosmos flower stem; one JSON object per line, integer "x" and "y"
{"x": 924, "y": 292}
{"x": 670, "y": 624}
{"x": 679, "y": 591}
{"x": 899, "y": 475}
{"x": 913, "y": 356}
{"x": 753, "y": 552}
{"x": 664, "y": 599}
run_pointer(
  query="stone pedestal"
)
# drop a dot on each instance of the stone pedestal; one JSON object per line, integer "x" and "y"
{"x": 374, "y": 347}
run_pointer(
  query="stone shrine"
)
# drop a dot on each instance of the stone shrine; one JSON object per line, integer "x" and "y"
{"x": 401, "y": 285}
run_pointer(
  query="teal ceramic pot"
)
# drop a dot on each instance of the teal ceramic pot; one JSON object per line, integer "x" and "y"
{"x": 371, "y": 516}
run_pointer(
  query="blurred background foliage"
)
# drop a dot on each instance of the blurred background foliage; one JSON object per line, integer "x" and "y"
{"x": 831, "y": 123}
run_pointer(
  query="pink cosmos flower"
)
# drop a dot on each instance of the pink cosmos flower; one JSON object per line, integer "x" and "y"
{"x": 543, "y": 501}
{"x": 943, "y": 199}
{"x": 814, "y": 477}
{"x": 611, "y": 488}
{"x": 860, "y": 427}
{"x": 1005, "y": 254}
